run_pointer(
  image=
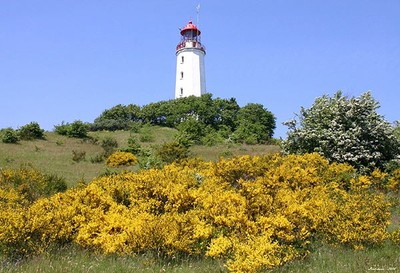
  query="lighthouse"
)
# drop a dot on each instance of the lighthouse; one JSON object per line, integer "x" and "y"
{"x": 190, "y": 73}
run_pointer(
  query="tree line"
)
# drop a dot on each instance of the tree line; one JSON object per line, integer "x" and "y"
{"x": 201, "y": 120}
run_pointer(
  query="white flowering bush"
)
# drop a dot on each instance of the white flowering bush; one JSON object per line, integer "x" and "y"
{"x": 344, "y": 130}
{"x": 397, "y": 129}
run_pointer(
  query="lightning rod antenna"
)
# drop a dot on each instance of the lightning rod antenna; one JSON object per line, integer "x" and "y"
{"x": 198, "y": 13}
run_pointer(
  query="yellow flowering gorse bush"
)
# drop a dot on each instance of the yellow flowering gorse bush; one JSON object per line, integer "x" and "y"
{"x": 395, "y": 236}
{"x": 255, "y": 212}
{"x": 121, "y": 159}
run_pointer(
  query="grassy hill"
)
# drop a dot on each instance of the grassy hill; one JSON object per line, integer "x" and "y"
{"x": 54, "y": 155}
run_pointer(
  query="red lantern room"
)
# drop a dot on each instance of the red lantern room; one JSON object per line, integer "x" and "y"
{"x": 190, "y": 30}
{"x": 190, "y": 38}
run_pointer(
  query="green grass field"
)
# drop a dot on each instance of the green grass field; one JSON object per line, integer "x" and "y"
{"x": 54, "y": 156}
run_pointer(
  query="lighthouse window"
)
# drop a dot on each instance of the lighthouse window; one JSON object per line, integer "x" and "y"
{"x": 183, "y": 59}
{"x": 181, "y": 75}
{"x": 181, "y": 91}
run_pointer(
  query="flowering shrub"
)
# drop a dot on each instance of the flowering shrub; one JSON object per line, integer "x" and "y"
{"x": 255, "y": 213}
{"x": 121, "y": 159}
{"x": 395, "y": 236}
{"x": 393, "y": 183}
{"x": 344, "y": 130}
{"x": 19, "y": 189}
{"x": 31, "y": 183}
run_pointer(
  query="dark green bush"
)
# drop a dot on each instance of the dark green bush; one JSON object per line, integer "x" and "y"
{"x": 193, "y": 129}
{"x": 99, "y": 158}
{"x": 78, "y": 156}
{"x": 148, "y": 159}
{"x": 77, "y": 129}
{"x": 62, "y": 129}
{"x": 133, "y": 146}
{"x": 119, "y": 117}
{"x": 9, "y": 135}
{"x": 172, "y": 151}
{"x": 145, "y": 134}
{"x": 183, "y": 139}
{"x": 109, "y": 144}
{"x": 135, "y": 126}
{"x": 255, "y": 124}
{"x": 211, "y": 137}
{"x": 54, "y": 184}
{"x": 31, "y": 131}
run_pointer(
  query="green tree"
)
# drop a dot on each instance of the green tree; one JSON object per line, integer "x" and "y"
{"x": 156, "y": 113}
{"x": 119, "y": 117}
{"x": 344, "y": 130}
{"x": 192, "y": 129}
{"x": 227, "y": 111}
{"x": 205, "y": 109}
{"x": 255, "y": 124}
{"x": 212, "y": 137}
{"x": 173, "y": 112}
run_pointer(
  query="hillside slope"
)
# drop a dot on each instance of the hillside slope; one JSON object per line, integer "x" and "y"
{"x": 54, "y": 155}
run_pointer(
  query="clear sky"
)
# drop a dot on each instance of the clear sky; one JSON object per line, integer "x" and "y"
{"x": 67, "y": 60}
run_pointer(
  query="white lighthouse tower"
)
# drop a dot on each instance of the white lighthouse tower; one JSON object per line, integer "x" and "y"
{"x": 190, "y": 74}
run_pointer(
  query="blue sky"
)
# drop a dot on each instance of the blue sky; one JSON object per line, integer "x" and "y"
{"x": 69, "y": 60}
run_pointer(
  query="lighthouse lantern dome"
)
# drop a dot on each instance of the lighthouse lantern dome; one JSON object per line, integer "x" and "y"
{"x": 190, "y": 30}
